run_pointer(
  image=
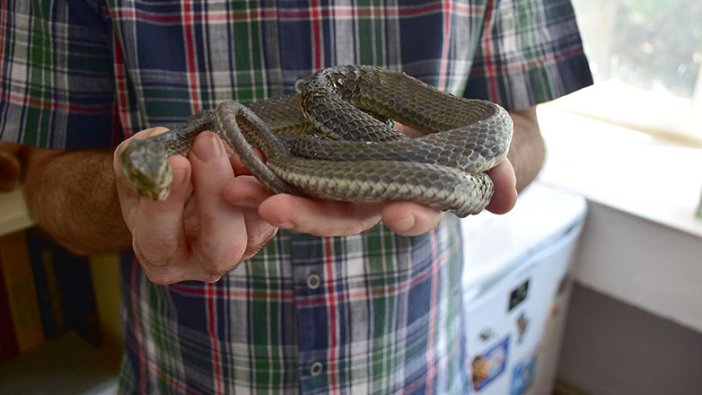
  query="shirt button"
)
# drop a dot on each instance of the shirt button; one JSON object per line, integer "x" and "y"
{"x": 316, "y": 368}
{"x": 313, "y": 281}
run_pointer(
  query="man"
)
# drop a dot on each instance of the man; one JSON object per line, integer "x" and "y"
{"x": 273, "y": 308}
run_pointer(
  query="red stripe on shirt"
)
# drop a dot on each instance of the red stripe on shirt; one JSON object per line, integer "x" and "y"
{"x": 431, "y": 370}
{"x": 121, "y": 84}
{"x": 339, "y": 12}
{"x": 490, "y": 71}
{"x": 336, "y": 12}
{"x": 214, "y": 340}
{"x": 231, "y": 294}
{"x": 385, "y": 291}
{"x": 98, "y": 109}
{"x": 331, "y": 303}
{"x": 521, "y": 67}
{"x": 136, "y": 319}
{"x": 190, "y": 55}
{"x": 315, "y": 20}
{"x": 3, "y": 24}
{"x": 446, "y": 6}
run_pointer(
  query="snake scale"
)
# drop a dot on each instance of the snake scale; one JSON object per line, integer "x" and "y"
{"x": 318, "y": 143}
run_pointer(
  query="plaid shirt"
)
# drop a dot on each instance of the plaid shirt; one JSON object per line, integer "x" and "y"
{"x": 375, "y": 313}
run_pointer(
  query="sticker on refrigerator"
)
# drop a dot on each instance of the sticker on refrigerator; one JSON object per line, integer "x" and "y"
{"x": 487, "y": 366}
{"x": 486, "y": 334}
{"x": 522, "y": 324}
{"x": 523, "y": 376}
{"x": 517, "y": 296}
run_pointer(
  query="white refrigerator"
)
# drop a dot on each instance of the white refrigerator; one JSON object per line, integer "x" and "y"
{"x": 516, "y": 290}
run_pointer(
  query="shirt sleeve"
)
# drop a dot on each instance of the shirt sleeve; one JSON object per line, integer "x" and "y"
{"x": 530, "y": 53}
{"x": 56, "y": 79}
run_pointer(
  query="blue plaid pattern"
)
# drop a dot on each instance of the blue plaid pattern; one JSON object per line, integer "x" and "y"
{"x": 375, "y": 313}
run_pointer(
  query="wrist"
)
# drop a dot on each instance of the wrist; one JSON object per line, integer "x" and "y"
{"x": 72, "y": 195}
{"x": 527, "y": 151}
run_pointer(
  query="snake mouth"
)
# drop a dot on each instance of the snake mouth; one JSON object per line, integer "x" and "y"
{"x": 153, "y": 186}
{"x": 154, "y": 193}
{"x": 147, "y": 170}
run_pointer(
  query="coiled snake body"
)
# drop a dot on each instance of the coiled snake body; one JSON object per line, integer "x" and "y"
{"x": 342, "y": 153}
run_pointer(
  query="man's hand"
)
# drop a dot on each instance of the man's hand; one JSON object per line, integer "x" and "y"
{"x": 194, "y": 234}
{"x": 328, "y": 218}
{"x": 218, "y": 215}
{"x": 505, "y": 196}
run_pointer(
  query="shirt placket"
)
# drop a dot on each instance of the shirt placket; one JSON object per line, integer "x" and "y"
{"x": 314, "y": 310}
{"x": 297, "y": 54}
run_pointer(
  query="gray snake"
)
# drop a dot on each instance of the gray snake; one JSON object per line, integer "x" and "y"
{"x": 339, "y": 152}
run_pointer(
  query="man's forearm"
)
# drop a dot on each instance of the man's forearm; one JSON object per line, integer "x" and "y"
{"x": 72, "y": 195}
{"x": 527, "y": 151}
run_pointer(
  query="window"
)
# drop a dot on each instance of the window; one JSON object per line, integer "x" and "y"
{"x": 646, "y": 57}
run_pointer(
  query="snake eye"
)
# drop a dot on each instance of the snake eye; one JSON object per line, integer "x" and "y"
{"x": 300, "y": 86}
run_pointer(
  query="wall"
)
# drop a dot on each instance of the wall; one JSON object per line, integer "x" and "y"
{"x": 613, "y": 348}
{"x": 633, "y": 325}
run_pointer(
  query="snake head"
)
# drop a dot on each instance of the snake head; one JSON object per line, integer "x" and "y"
{"x": 146, "y": 168}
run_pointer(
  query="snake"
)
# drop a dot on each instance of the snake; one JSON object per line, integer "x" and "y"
{"x": 334, "y": 139}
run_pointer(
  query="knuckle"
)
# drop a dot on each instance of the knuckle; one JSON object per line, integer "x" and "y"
{"x": 156, "y": 252}
{"x": 218, "y": 252}
{"x": 259, "y": 241}
{"x": 217, "y": 259}
{"x": 364, "y": 221}
{"x": 212, "y": 274}
{"x": 365, "y": 225}
{"x": 159, "y": 279}
{"x": 212, "y": 278}
{"x": 207, "y": 222}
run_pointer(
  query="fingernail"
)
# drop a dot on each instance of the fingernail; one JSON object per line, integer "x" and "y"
{"x": 178, "y": 177}
{"x": 155, "y": 131}
{"x": 245, "y": 202}
{"x": 285, "y": 225}
{"x": 404, "y": 225}
{"x": 208, "y": 147}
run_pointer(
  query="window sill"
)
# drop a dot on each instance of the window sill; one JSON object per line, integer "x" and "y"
{"x": 626, "y": 170}
{"x": 641, "y": 242}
